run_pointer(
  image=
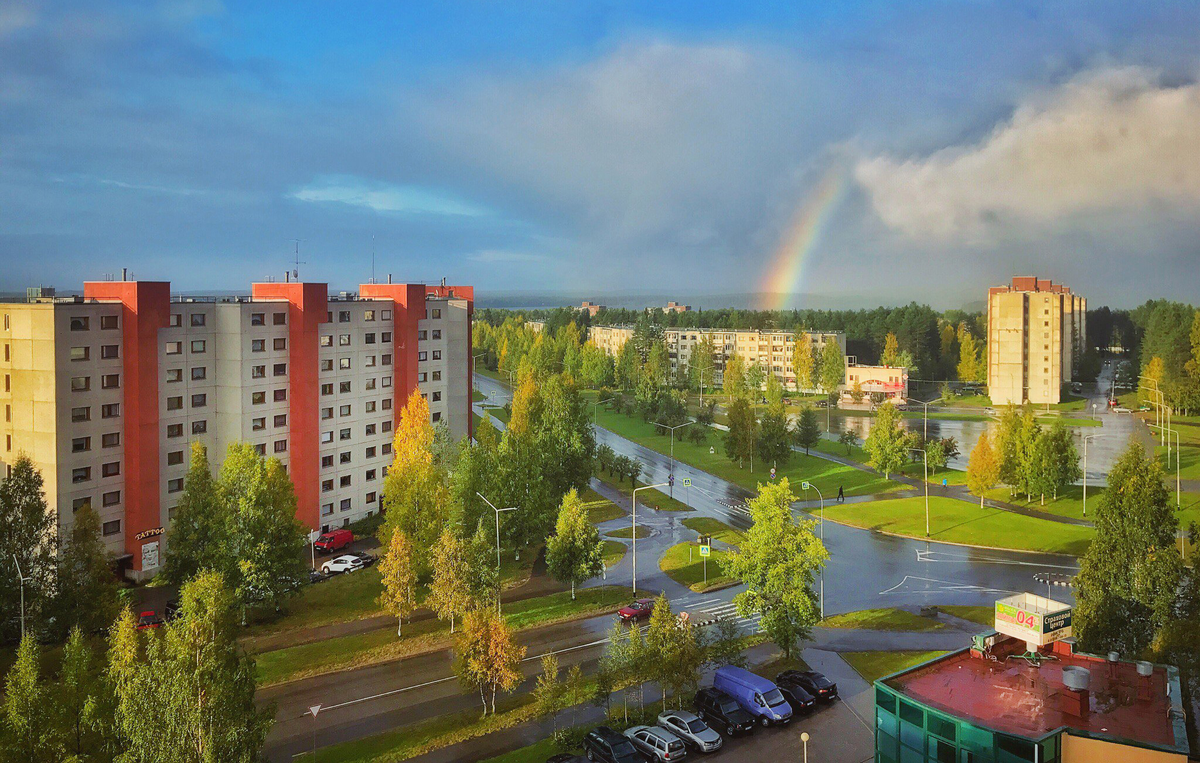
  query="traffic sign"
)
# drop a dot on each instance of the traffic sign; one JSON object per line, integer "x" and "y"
{"x": 671, "y": 480}
{"x": 687, "y": 481}
{"x": 314, "y": 710}
{"x": 772, "y": 472}
{"x": 804, "y": 485}
{"x": 705, "y": 549}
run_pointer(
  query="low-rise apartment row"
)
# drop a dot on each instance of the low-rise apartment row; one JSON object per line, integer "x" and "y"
{"x": 106, "y": 391}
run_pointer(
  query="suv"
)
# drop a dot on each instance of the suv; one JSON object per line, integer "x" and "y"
{"x": 812, "y": 682}
{"x": 604, "y": 744}
{"x": 333, "y": 541}
{"x": 723, "y": 712}
{"x": 637, "y": 610}
{"x": 656, "y": 743}
{"x": 345, "y": 563}
{"x": 694, "y": 732}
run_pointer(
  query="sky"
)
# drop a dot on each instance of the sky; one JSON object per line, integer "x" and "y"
{"x": 874, "y": 152}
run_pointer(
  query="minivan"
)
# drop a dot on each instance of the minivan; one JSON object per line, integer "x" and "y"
{"x": 757, "y": 695}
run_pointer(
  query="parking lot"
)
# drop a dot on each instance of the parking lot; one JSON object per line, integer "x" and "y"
{"x": 835, "y": 734}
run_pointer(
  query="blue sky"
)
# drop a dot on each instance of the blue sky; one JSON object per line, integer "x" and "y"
{"x": 590, "y": 147}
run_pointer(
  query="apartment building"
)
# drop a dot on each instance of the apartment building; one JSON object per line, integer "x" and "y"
{"x": 770, "y": 349}
{"x": 106, "y": 391}
{"x": 1036, "y": 330}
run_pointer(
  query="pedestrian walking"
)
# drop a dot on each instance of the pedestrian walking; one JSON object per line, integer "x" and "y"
{"x": 841, "y": 494}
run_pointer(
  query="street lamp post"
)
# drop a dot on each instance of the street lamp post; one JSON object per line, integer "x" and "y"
{"x": 804, "y": 738}
{"x": 1085, "y": 444}
{"x": 925, "y": 458}
{"x": 634, "y": 533}
{"x": 510, "y": 508}
{"x": 926, "y": 404}
{"x": 1158, "y": 392}
{"x": 1175, "y": 434}
{"x": 702, "y": 370}
{"x": 806, "y": 485}
{"x": 22, "y": 579}
{"x": 672, "y": 430}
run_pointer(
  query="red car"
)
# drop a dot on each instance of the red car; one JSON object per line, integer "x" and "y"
{"x": 333, "y": 541}
{"x": 149, "y": 620}
{"x": 636, "y": 611}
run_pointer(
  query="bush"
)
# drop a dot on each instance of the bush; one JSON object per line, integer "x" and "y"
{"x": 570, "y": 739}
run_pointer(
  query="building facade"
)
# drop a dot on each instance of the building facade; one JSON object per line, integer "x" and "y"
{"x": 878, "y": 384}
{"x": 770, "y": 349}
{"x": 1036, "y": 331}
{"x": 105, "y": 392}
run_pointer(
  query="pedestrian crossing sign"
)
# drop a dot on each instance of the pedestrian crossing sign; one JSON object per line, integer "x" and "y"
{"x": 687, "y": 481}
{"x": 705, "y": 549}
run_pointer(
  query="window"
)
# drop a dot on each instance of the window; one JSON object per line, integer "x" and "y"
{"x": 280, "y": 369}
{"x": 385, "y": 315}
{"x": 344, "y": 387}
{"x": 370, "y": 384}
{"x": 437, "y": 333}
{"x": 370, "y": 361}
{"x": 106, "y": 322}
{"x": 81, "y": 383}
{"x": 385, "y": 450}
{"x": 279, "y": 343}
{"x": 436, "y": 416}
{"x": 326, "y": 486}
{"x": 370, "y": 498}
{"x": 79, "y": 503}
{"x": 371, "y": 450}
{"x": 260, "y": 449}
{"x": 176, "y": 320}
{"x": 343, "y": 340}
{"x": 369, "y": 338}
{"x": 437, "y": 397}
{"x": 422, "y": 335}
{"x": 387, "y": 382}
{"x": 77, "y": 414}
{"x": 199, "y": 401}
{"x": 344, "y": 364}
{"x": 280, "y": 395}
{"x": 387, "y": 404}
{"x": 174, "y": 458}
{"x": 368, "y": 315}
{"x": 343, "y": 316}
{"x": 175, "y": 485}
{"x": 258, "y": 372}
{"x": 258, "y": 345}
{"x": 174, "y": 374}
{"x": 326, "y": 462}
{"x": 110, "y": 440}
{"x": 198, "y": 346}
{"x": 280, "y": 420}
{"x": 344, "y": 480}
{"x": 279, "y": 319}
{"x": 436, "y": 313}
{"x": 110, "y": 410}
{"x": 385, "y": 337}
{"x": 326, "y": 340}
{"x": 258, "y": 398}
{"x": 326, "y": 389}
{"x": 80, "y": 353}
{"x": 344, "y": 434}
{"x": 421, "y": 377}
{"x": 344, "y": 458}
{"x": 386, "y": 427}
{"x": 199, "y": 427}
{"x": 174, "y": 348}
{"x": 257, "y": 319}
{"x": 326, "y": 413}
{"x": 258, "y": 424}
{"x": 199, "y": 373}
{"x": 344, "y": 410}
{"x": 370, "y": 475}
{"x": 422, "y": 355}
{"x": 81, "y": 474}
{"x": 112, "y": 527}
{"x": 327, "y": 364}
{"x": 79, "y": 323}
{"x": 437, "y": 375}
{"x": 109, "y": 352}
{"x": 327, "y": 437}
{"x": 345, "y": 505}
{"x": 197, "y": 319}
{"x": 370, "y": 430}
{"x": 437, "y": 354}
{"x": 111, "y": 498}
{"x": 174, "y": 430}
{"x": 326, "y": 509}
{"x": 175, "y": 403}
{"x": 281, "y": 446}
{"x": 370, "y": 406}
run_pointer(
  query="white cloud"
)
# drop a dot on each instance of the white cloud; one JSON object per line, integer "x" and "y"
{"x": 1116, "y": 140}
{"x": 504, "y": 256}
{"x": 385, "y": 197}
{"x": 15, "y": 16}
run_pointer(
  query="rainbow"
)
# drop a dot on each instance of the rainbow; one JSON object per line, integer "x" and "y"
{"x": 783, "y": 277}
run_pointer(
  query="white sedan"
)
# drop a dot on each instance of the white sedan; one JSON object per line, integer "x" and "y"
{"x": 347, "y": 563}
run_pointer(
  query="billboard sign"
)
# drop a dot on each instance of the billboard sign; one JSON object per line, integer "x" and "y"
{"x": 1033, "y": 619}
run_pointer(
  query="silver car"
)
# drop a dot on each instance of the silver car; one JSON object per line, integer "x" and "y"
{"x": 693, "y": 731}
{"x": 656, "y": 743}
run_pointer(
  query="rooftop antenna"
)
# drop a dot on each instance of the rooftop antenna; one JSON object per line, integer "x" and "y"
{"x": 297, "y": 262}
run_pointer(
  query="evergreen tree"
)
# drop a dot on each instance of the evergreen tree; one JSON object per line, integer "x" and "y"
{"x": 743, "y": 431}
{"x": 847, "y": 438}
{"x": 775, "y": 435}
{"x": 575, "y": 553}
{"x": 808, "y": 429}
{"x": 86, "y": 588}
{"x": 27, "y": 533}
{"x": 196, "y": 539}
{"x": 724, "y": 645}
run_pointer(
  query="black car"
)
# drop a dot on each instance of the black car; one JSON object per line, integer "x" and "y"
{"x": 173, "y": 610}
{"x": 812, "y": 682}
{"x": 604, "y": 744}
{"x": 316, "y": 576}
{"x": 367, "y": 559}
{"x": 722, "y": 712}
{"x": 796, "y": 695}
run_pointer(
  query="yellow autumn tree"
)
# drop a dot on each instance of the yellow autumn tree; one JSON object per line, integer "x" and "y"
{"x": 399, "y": 577}
{"x": 416, "y": 494}
{"x": 486, "y": 658}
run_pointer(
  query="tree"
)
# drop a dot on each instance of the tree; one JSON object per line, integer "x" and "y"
{"x": 702, "y": 364}
{"x": 77, "y": 699}
{"x": 86, "y": 589}
{"x": 778, "y": 562}
{"x": 983, "y": 468}
{"x": 575, "y": 552}
{"x": 935, "y": 455}
{"x": 891, "y": 351}
{"x": 808, "y": 429}
{"x": 743, "y": 431}
{"x": 723, "y": 645}
{"x": 479, "y": 554}
{"x": 1056, "y": 460}
{"x": 847, "y": 438}
{"x": 416, "y": 492}
{"x": 596, "y": 367}
{"x": 27, "y": 708}
{"x": 187, "y": 693}
{"x": 755, "y": 376}
{"x": 833, "y": 368}
{"x": 197, "y": 538}
{"x": 774, "y": 433}
{"x": 614, "y": 664}
{"x": 1128, "y": 580}
{"x": 734, "y": 377}
{"x": 1155, "y": 373}
{"x": 968, "y": 356}
{"x": 486, "y": 659}
{"x": 673, "y": 652}
{"x": 856, "y": 391}
{"x": 399, "y": 577}
{"x": 628, "y": 367}
{"x": 27, "y": 532}
{"x": 549, "y": 694}
{"x": 886, "y": 444}
{"x": 802, "y": 360}
{"x": 449, "y": 592}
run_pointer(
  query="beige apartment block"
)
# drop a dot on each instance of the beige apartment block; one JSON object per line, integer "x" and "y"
{"x": 1036, "y": 332}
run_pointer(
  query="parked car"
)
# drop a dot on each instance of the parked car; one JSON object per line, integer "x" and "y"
{"x": 757, "y": 695}
{"x": 813, "y": 682}
{"x": 344, "y": 563}
{"x": 366, "y": 558}
{"x": 316, "y": 576}
{"x": 796, "y": 694}
{"x": 173, "y": 610}
{"x": 566, "y": 757}
{"x": 1121, "y": 409}
{"x": 723, "y": 712}
{"x": 656, "y": 743}
{"x": 604, "y": 744}
{"x": 694, "y": 732}
{"x": 638, "y": 610}
{"x": 148, "y": 620}
{"x": 333, "y": 541}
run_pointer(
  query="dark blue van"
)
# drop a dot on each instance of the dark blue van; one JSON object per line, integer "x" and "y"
{"x": 757, "y": 695}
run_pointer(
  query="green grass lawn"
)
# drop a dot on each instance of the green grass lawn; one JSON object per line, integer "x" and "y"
{"x": 339, "y": 599}
{"x": 890, "y": 619}
{"x": 651, "y": 498}
{"x": 683, "y": 564}
{"x": 614, "y": 552}
{"x": 1068, "y": 504}
{"x": 499, "y": 414}
{"x": 801, "y": 467}
{"x": 477, "y": 396}
{"x": 918, "y": 412}
{"x": 716, "y": 528}
{"x": 913, "y": 469}
{"x": 875, "y": 665}
{"x": 1070, "y": 421}
{"x": 627, "y": 532}
{"x": 966, "y": 401}
{"x": 599, "y": 508}
{"x": 982, "y": 615}
{"x": 537, "y": 752}
{"x": 962, "y": 522}
{"x": 360, "y": 649}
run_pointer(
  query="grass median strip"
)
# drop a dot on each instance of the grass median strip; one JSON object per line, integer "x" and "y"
{"x": 957, "y": 521}
{"x": 985, "y": 616}
{"x": 683, "y": 564}
{"x": 650, "y": 498}
{"x": 889, "y": 619}
{"x": 716, "y": 528}
{"x": 613, "y": 552}
{"x": 627, "y": 532}
{"x": 342, "y": 653}
{"x": 875, "y": 665}
{"x": 599, "y": 508}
